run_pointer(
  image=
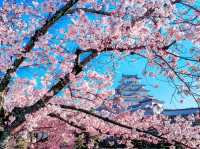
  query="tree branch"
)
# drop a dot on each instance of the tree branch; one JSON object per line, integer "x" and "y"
{"x": 29, "y": 46}
{"x": 122, "y": 125}
{"x": 20, "y": 113}
{"x": 179, "y": 77}
{"x": 66, "y": 121}
{"x": 101, "y": 12}
{"x": 189, "y": 6}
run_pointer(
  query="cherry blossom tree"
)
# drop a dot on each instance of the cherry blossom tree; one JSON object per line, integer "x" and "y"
{"x": 57, "y": 107}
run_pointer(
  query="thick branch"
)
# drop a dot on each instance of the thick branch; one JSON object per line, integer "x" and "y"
{"x": 88, "y": 10}
{"x": 66, "y": 121}
{"x": 20, "y": 113}
{"x": 122, "y": 125}
{"x": 29, "y": 46}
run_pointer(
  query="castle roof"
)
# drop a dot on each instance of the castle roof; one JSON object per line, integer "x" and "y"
{"x": 148, "y": 99}
{"x": 130, "y": 77}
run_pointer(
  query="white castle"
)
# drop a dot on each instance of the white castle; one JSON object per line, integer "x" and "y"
{"x": 134, "y": 94}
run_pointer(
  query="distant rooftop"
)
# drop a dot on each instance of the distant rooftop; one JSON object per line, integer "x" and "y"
{"x": 182, "y": 112}
{"x": 148, "y": 99}
{"x": 130, "y": 76}
{"x": 167, "y": 112}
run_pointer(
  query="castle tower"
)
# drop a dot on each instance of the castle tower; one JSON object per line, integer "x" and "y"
{"x": 135, "y": 94}
{"x": 131, "y": 90}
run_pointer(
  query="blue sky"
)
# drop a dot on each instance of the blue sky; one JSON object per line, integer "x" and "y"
{"x": 126, "y": 66}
